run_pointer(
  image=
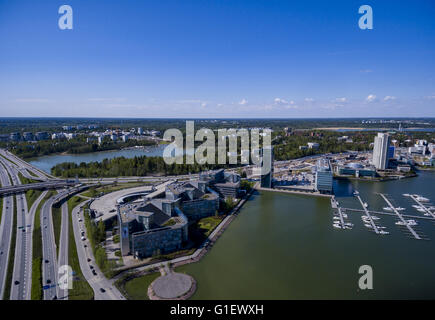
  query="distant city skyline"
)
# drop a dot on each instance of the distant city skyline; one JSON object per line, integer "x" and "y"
{"x": 217, "y": 59}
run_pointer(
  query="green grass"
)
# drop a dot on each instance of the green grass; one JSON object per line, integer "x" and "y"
{"x": 56, "y": 213}
{"x": 93, "y": 192}
{"x": 81, "y": 289}
{"x": 137, "y": 288}
{"x": 36, "y": 291}
{"x": 31, "y": 196}
{"x": 10, "y": 270}
{"x": 208, "y": 224}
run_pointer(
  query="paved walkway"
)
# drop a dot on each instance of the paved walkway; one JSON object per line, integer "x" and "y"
{"x": 172, "y": 286}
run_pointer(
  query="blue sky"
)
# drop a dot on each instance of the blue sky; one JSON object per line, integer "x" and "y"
{"x": 185, "y": 58}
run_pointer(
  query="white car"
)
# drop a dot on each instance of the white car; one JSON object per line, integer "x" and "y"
{"x": 83, "y": 238}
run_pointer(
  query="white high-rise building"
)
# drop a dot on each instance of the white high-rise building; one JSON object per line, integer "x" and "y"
{"x": 380, "y": 151}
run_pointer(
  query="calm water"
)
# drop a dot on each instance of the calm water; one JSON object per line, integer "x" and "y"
{"x": 47, "y": 162}
{"x": 284, "y": 247}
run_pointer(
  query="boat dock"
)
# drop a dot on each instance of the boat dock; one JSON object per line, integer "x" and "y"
{"x": 334, "y": 205}
{"x": 373, "y": 224}
{"x": 400, "y": 216}
{"x": 422, "y": 205}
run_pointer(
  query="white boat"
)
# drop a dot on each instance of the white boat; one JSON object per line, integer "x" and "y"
{"x": 406, "y": 194}
{"x": 411, "y": 222}
{"x": 368, "y": 225}
{"x": 375, "y": 218}
{"x": 387, "y": 208}
{"x": 366, "y": 205}
{"x": 384, "y": 232}
{"x": 421, "y": 199}
{"x": 336, "y": 225}
{"x": 416, "y": 206}
{"x": 400, "y": 209}
{"x": 344, "y": 215}
{"x": 400, "y": 223}
{"x": 348, "y": 224}
{"x": 421, "y": 210}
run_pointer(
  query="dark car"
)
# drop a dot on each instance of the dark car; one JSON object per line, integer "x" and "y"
{"x": 17, "y": 282}
{"x": 92, "y": 267}
{"x": 48, "y": 281}
{"x": 89, "y": 260}
{"x": 85, "y": 246}
{"x": 102, "y": 290}
{"x": 94, "y": 272}
{"x": 46, "y": 261}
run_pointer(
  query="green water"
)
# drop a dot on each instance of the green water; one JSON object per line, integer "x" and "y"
{"x": 283, "y": 246}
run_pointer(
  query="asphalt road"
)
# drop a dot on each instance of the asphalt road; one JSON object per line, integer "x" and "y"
{"x": 63, "y": 246}
{"x": 99, "y": 281}
{"x": 31, "y": 221}
{"x": 49, "y": 269}
{"x": 5, "y": 229}
{"x": 25, "y": 165}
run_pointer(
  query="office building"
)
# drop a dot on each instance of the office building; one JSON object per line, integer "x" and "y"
{"x": 324, "y": 179}
{"x": 380, "y": 151}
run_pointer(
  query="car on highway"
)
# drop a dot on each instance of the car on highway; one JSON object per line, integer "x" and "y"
{"x": 89, "y": 260}
{"x": 94, "y": 272}
{"x": 102, "y": 290}
{"x": 83, "y": 238}
{"x": 48, "y": 281}
{"x": 46, "y": 261}
{"x": 17, "y": 282}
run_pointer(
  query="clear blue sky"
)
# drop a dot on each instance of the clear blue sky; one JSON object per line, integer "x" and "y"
{"x": 232, "y": 58}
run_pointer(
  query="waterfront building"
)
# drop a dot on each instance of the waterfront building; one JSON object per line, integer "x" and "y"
{"x": 28, "y": 136}
{"x": 380, "y": 151}
{"x": 267, "y": 168}
{"x": 42, "y": 136}
{"x": 146, "y": 229}
{"x": 139, "y": 131}
{"x": 15, "y": 136}
{"x": 324, "y": 178}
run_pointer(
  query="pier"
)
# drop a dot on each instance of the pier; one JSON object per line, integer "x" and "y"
{"x": 375, "y": 228}
{"x": 334, "y": 205}
{"x": 423, "y": 206}
{"x": 404, "y": 222}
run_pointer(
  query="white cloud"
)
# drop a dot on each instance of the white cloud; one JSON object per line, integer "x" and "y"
{"x": 366, "y": 71}
{"x": 243, "y": 102}
{"x": 388, "y": 98}
{"x": 371, "y": 98}
{"x": 309, "y": 99}
{"x": 343, "y": 99}
{"x": 280, "y": 101}
{"x": 430, "y": 97}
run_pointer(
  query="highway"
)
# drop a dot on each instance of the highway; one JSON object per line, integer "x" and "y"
{"x": 49, "y": 262}
{"x": 29, "y": 253}
{"x": 52, "y": 184}
{"x": 5, "y": 229}
{"x": 99, "y": 281}
{"x": 63, "y": 246}
{"x": 25, "y": 165}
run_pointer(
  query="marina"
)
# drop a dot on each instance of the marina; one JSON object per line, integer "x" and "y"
{"x": 369, "y": 217}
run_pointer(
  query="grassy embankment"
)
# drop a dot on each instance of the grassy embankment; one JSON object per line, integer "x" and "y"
{"x": 104, "y": 189}
{"x": 81, "y": 289}
{"x": 136, "y": 288}
{"x": 36, "y": 291}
